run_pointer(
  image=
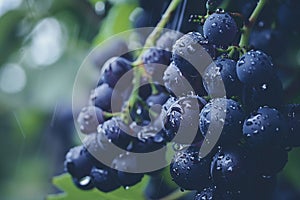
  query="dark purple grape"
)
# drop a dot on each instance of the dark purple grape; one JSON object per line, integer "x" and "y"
{"x": 220, "y": 29}
{"x": 255, "y": 68}
{"x": 209, "y": 193}
{"x": 78, "y": 162}
{"x": 158, "y": 188}
{"x": 181, "y": 122}
{"x": 104, "y": 180}
{"x": 263, "y": 188}
{"x": 189, "y": 171}
{"x": 84, "y": 183}
{"x": 268, "y": 40}
{"x": 113, "y": 70}
{"x": 117, "y": 132}
{"x": 192, "y": 54}
{"x": 89, "y": 118}
{"x": 126, "y": 166}
{"x": 155, "y": 61}
{"x": 230, "y": 169}
{"x": 265, "y": 127}
{"x": 288, "y": 12}
{"x": 271, "y": 160}
{"x": 224, "y": 116}
{"x": 103, "y": 96}
{"x": 157, "y": 99}
{"x": 175, "y": 82}
{"x": 269, "y": 93}
{"x": 167, "y": 40}
{"x": 149, "y": 144}
{"x": 220, "y": 77}
{"x": 179, "y": 85}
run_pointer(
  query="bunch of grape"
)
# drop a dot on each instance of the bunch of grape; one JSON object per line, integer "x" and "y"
{"x": 224, "y": 112}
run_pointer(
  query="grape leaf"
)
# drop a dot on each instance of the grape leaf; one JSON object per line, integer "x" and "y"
{"x": 71, "y": 192}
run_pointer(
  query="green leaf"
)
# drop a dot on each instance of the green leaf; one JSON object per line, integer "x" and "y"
{"x": 117, "y": 21}
{"x": 291, "y": 170}
{"x": 71, "y": 192}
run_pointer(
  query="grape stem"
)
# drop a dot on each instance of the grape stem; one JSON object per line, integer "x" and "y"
{"x": 150, "y": 41}
{"x": 248, "y": 26}
{"x": 139, "y": 70}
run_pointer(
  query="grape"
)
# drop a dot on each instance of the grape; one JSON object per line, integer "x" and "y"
{"x": 182, "y": 120}
{"x": 287, "y": 13}
{"x": 104, "y": 180}
{"x": 264, "y": 127}
{"x": 157, "y": 188}
{"x": 220, "y": 29}
{"x": 175, "y": 82}
{"x": 89, "y": 118}
{"x": 192, "y": 54}
{"x": 148, "y": 144}
{"x": 264, "y": 187}
{"x": 230, "y": 168}
{"x": 268, "y": 40}
{"x": 269, "y": 93}
{"x": 155, "y": 61}
{"x": 271, "y": 160}
{"x": 209, "y": 193}
{"x": 220, "y": 74}
{"x": 101, "y": 148}
{"x": 255, "y": 68}
{"x": 102, "y": 98}
{"x": 155, "y": 99}
{"x": 117, "y": 132}
{"x": 78, "y": 162}
{"x": 127, "y": 162}
{"x": 113, "y": 70}
{"x": 189, "y": 171}
{"x": 167, "y": 40}
{"x": 84, "y": 184}
{"x": 146, "y": 90}
{"x": 224, "y": 114}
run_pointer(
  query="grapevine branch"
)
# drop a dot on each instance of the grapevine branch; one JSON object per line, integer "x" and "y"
{"x": 150, "y": 41}
{"x": 139, "y": 71}
{"x": 247, "y": 28}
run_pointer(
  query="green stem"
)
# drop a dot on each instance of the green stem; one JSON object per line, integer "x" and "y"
{"x": 139, "y": 71}
{"x": 150, "y": 42}
{"x": 175, "y": 195}
{"x": 109, "y": 115}
{"x": 247, "y": 28}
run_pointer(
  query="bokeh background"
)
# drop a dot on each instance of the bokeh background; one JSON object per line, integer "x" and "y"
{"x": 42, "y": 45}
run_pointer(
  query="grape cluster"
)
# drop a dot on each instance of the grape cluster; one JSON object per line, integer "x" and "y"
{"x": 225, "y": 115}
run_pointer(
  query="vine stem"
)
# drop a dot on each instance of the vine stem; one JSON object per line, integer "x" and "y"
{"x": 150, "y": 41}
{"x": 139, "y": 71}
{"x": 247, "y": 28}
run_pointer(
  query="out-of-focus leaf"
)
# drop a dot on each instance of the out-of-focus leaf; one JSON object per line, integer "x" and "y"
{"x": 116, "y": 21}
{"x": 64, "y": 182}
{"x": 291, "y": 170}
{"x": 9, "y": 39}
{"x": 93, "y": 2}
